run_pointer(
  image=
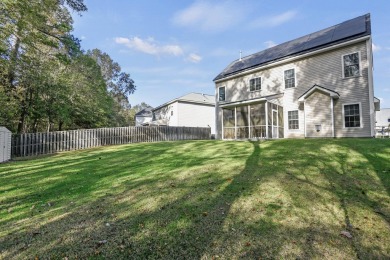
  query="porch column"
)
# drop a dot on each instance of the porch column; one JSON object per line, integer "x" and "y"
{"x": 249, "y": 121}
{"x": 266, "y": 119}
{"x": 223, "y": 130}
{"x": 235, "y": 122}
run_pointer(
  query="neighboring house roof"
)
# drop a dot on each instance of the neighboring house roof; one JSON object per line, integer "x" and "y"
{"x": 343, "y": 32}
{"x": 145, "y": 112}
{"x": 197, "y": 98}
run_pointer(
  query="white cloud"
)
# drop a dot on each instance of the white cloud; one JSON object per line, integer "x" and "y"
{"x": 269, "y": 44}
{"x": 210, "y": 16}
{"x": 376, "y": 48}
{"x": 194, "y": 58}
{"x": 149, "y": 46}
{"x": 276, "y": 20}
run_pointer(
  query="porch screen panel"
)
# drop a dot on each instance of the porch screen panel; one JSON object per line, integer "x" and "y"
{"x": 281, "y": 122}
{"x": 228, "y": 123}
{"x": 257, "y": 119}
{"x": 270, "y": 106}
{"x": 242, "y": 122}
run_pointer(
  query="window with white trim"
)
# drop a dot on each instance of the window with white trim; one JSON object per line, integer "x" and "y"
{"x": 221, "y": 94}
{"x": 351, "y": 65}
{"x": 255, "y": 84}
{"x": 289, "y": 78}
{"x": 352, "y": 115}
{"x": 293, "y": 121}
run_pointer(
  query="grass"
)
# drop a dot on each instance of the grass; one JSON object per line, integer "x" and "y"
{"x": 201, "y": 200}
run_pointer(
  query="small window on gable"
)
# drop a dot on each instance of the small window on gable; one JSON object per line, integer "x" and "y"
{"x": 351, "y": 65}
{"x": 293, "y": 120}
{"x": 221, "y": 94}
{"x": 171, "y": 113}
{"x": 289, "y": 78}
{"x": 255, "y": 84}
{"x": 352, "y": 115}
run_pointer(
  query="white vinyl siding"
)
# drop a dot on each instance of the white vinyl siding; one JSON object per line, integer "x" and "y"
{"x": 318, "y": 115}
{"x": 196, "y": 115}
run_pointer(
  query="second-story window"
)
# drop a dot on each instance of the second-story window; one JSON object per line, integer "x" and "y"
{"x": 221, "y": 94}
{"x": 255, "y": 84}
{"x": 351, "y": 65}
{"x": 289, "y": 78}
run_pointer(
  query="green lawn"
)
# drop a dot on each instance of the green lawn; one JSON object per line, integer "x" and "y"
{"x": 201, "y": 200}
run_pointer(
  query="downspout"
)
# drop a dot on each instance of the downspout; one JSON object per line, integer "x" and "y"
{"x": 370, "y": 85}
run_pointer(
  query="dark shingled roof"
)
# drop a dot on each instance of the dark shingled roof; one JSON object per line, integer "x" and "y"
{"x": 343, "y": 32}
{"x": 145, "y": 112}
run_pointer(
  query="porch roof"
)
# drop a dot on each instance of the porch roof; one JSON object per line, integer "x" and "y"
{"x": 333, "y": 94}
{"x": 251, "y": 101}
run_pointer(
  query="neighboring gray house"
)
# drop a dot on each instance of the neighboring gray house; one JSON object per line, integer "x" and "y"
{"x": 193, "y": 109}
{"x": 144, "y": 116}
{"x": 319, "y": 85}
{"x": 383, "y": 121}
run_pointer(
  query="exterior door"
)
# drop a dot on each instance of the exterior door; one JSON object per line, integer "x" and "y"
{"x": 275, "y": 132}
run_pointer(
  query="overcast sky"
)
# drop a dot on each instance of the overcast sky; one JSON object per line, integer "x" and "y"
{"x": 171, "y": 48}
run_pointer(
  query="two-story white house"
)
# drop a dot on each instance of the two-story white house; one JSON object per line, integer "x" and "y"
{"x": 144, "y": 116}
{"x": 192, "y": 110}
{"x": 319, "y": 85}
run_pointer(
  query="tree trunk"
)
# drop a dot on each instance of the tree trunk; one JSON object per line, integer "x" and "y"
{"x": 22, "y": 117}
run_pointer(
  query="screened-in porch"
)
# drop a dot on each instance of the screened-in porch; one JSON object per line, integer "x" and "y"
{"x": 252, "y": 121}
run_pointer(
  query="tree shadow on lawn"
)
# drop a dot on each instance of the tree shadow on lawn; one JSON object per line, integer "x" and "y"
{"x": 360, "y": 201}
{"x": 167, "y": 220}
{"x": 275, "y": 206}
{"x": 76, "y": 175}
{"x": 86, "y": 180}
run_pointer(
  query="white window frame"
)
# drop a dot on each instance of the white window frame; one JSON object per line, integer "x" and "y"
{"x": 254, "y": 78}
{"x": 219, "y": 88}
{"x": 342, "y": 65}
{"x": 288, "y": 120}
{"x": 295, "y": 78}
{"x": 360, "y": 115}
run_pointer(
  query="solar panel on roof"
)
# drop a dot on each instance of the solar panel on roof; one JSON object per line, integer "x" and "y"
{"x": 316, "y": 40}
{"x": 319, "y": 38}
{"x": 351, "y": 27}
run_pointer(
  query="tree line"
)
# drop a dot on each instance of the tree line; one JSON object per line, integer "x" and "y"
{"x": 47, "y": 82}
